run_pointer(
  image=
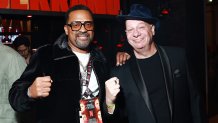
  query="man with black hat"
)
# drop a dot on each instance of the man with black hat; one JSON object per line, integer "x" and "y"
{"x": 154, "y": 86}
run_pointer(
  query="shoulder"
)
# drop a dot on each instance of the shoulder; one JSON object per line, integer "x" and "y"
{"x": 98, "y": 55}
{"x": 43, "y": 53}
{"x": 8, "y": 53}
{"x": 6, "y": 50}
{"x": 43, "y": 50}
{"x": 176, "y": 55}
{"x": 13, "y": 61}
{"x": 174, "y": 51}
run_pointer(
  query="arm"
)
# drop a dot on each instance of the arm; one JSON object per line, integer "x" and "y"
{"x": 114, "y": 102}
{"x": 19, "y": 98}
{"x": 112, "y": 88}
{"x": 16, "y": 67}
{"x": 196, "y": 105}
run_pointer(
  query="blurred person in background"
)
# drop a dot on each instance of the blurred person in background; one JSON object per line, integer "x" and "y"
{"x": 22, "y": 46}
{"x": 12, "y": 66}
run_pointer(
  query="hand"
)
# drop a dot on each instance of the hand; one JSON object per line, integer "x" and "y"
{"x": 40, "y": 87}
{"x": 121, "y": 58}
{"x": 112, "y": 87}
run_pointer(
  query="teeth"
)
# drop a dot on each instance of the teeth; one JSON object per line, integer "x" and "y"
{"x": 82, "y": 36}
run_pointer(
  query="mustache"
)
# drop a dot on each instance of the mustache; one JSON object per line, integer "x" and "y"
{"x": 82, "y": 33}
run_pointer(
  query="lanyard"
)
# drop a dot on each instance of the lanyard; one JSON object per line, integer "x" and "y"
{"x": 85, "y": 79}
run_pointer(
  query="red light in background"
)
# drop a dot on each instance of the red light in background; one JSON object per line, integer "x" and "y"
{"x": 100, "y": 47}
{"x": 165, "y": 12}
{"x": 119, "y": 45}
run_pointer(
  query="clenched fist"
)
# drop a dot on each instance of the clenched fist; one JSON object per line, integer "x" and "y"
{"x": 112, "y": 87}
{"x": 40, "y": 87}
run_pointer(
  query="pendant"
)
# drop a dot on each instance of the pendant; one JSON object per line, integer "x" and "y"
{"x": 84, "y": 75}
{"x": 83, "y": 78}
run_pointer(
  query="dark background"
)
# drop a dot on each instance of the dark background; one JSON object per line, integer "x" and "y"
{"x": 184, "y": 26}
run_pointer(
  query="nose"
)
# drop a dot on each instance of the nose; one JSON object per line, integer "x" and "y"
{"x": 82, "y": 29}
{"x": 136, "y": 33}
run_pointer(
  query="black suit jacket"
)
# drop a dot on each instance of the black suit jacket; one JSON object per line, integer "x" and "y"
{"x": 133, "y": 101}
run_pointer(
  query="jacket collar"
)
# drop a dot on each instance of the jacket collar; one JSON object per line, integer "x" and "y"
{"x": 168, "y": 77}
{"x": 61, "y": 50}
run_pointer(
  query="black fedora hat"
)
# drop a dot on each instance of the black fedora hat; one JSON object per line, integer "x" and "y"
{"x": 139, "y": 12}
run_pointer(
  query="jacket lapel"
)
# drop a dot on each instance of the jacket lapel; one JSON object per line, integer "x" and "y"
{"x": 168, "y": 77}
{"x": 137, "y": 76}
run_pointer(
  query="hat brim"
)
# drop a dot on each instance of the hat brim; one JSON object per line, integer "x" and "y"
{"x": 123, "y": 18}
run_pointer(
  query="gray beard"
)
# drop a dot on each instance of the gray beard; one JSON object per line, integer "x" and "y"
{"x": 83, "y": 45}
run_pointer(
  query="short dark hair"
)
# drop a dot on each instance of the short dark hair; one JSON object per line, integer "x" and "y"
{"x": 77, "y": 7}
{"x": 21, "y": 40}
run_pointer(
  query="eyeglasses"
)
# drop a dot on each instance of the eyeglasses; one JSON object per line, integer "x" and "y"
{"x": 76, "y": 25}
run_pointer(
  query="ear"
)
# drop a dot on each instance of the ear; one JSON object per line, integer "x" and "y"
{"x": 65, "y": 29}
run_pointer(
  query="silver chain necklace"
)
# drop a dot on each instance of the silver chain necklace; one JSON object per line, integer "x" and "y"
{"x": 84, "y": 68}
{"x": 83, "y": 71}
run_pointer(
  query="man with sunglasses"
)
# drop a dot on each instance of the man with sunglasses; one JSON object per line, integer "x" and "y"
{"x": 63, "y": 78}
